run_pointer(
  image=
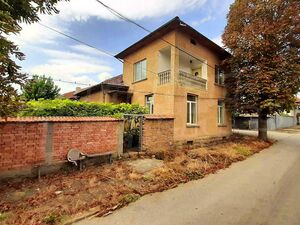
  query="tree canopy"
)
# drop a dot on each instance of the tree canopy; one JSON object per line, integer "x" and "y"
{"x": 12, "y": 13}
{"x": 40, "y": 87}
{"x": 264, "y": 39}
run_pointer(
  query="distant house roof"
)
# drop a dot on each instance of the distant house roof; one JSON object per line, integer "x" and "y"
{"x": 174, "y": 24}
{"x": 118, "y": 80}
{"x": 70, "y": 95}
{"x": 114, "y": 83}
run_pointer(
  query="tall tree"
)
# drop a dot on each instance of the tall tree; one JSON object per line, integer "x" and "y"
{"x": 40, "y": 87}
{"x": 12, "y": 13}
{"x": 264, "y": 39}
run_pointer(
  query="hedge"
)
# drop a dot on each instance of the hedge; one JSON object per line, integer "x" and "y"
{"x": 65, "y": 107}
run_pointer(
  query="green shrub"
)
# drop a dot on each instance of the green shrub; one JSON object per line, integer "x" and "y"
{"x": 52, "y": 219}
{"x": 129, "y": 198}
{"x": 65, "y": 107}
{"x": 194, "y": 175}
{"x": 243, "y": 150}
{"x": 3, "y": 216}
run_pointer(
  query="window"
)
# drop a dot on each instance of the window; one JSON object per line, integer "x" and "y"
{"x": 193, "y": 41}
{"x": 219, "y": 75}
{"x": 221, "y": 112}
{"x": 149, "y": 103}
{"x": 191, "y": 109}
{"x": 140, "y": 70}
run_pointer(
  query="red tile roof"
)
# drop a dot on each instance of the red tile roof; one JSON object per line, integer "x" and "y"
{"x": 114, "y": 83}
{"x": 174, "y": 24}
{"x": 117, "y": 80}
{"x": 70, "y": 95}
{"x": 56, "y": 119}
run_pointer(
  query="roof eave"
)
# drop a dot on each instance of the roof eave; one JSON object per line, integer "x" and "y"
{"x": 166, "y": 28}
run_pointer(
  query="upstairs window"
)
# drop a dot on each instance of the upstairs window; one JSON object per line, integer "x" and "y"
{"x": 191, "y": 109}
{"x": 149, "y": 103}
{"x": 219, "y": 75}
{"x": 140, "y": 69}
{"x": 221, "y": 112}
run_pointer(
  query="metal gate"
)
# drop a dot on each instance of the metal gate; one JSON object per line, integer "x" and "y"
{"x": 133, "y": 132}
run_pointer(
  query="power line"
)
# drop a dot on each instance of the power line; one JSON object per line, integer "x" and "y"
{"x": 64, "y": 81}
{"x": 110, "y": 54}
{"x": 79, "y": 41}
{"x": 121, "y": 16}
{"x": 143, "y": 92}
{"x": 84, "y": 43}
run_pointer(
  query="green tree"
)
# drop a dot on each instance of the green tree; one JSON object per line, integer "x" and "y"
{"x": 40, "y": 87}
{"x": 12, "y": 13}
{"x": 264, "y": 39}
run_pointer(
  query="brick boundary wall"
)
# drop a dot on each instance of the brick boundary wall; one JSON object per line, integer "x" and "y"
{"x": 29, "y": 141}
{"x": 158, "y": 133}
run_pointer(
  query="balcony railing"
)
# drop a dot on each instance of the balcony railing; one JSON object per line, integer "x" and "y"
{"x": 164, "y": 77}
{"x": 187, "y": 79}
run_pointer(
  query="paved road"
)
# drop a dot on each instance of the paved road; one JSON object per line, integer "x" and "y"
{"x": 262, "y": 190}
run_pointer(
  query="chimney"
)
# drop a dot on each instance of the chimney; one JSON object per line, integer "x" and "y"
{"x": 77, "y": 89}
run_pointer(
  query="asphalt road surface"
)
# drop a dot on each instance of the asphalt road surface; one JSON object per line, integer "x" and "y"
{"x": 262, "y": 190}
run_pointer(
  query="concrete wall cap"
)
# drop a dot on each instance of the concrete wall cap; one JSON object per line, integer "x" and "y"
{"x": 57, "y": 119}
{"x": 159, "y": 117}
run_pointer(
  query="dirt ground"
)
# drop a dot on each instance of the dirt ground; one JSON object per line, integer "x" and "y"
{"x": 64, "y": 195}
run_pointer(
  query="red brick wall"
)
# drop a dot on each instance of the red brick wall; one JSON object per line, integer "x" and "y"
{"x": 89, "y": 137}
{"x": 158, "y": 132}
{"x": 28, "y": 142}
{"x": 21, "y": 144}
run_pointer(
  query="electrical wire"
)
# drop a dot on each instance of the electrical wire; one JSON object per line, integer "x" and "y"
{"x": 111, "y": 55}
{"x": 79, "y": 41}
{"x": 121, "y": 16}
{"x": 64, "y": 81}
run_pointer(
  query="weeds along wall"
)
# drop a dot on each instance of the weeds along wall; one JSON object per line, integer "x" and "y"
{"x": 28, "y": 142}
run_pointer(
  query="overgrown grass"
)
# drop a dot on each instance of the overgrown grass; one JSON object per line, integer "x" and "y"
{"x": 3, "y": 216}
{"x": 243, "y": 150}
{"x": 112, "y": 186}
{"x": 52, "y": 219}
{"x": 129, "y": 198}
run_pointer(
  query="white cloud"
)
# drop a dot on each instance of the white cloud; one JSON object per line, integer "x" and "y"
{"x": 59, "y": 67}
{"x": 87, "y": 50}
{"x": 71, "y": 55}
{"x": 73, "y": 67}
{"x": 203, "y": 20}
{"x": 79, "y": 62}
{"x": 104, "y": 76}
{"x": 81, "y": 11}
{"x": 218, "y": 41}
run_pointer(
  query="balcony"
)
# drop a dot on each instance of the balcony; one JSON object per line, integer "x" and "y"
{"x": 164, "y": 77}
{"x": 186, "y": 79}
{"x": 192, "y": 70}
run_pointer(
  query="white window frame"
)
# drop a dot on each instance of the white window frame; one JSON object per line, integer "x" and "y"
{"x": 189, "y": 110}
{"x": 140, "y": 70}
{"x": 221, "y": 112}
{"x": 150, "y": 104}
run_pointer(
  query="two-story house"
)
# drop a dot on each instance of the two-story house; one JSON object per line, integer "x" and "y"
{"x": 175, "y": 71}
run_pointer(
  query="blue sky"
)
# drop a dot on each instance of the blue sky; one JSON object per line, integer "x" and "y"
{"x": 54, "y": 55}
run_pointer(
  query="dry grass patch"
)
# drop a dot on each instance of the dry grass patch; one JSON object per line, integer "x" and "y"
{"x": 105, "y": 188}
